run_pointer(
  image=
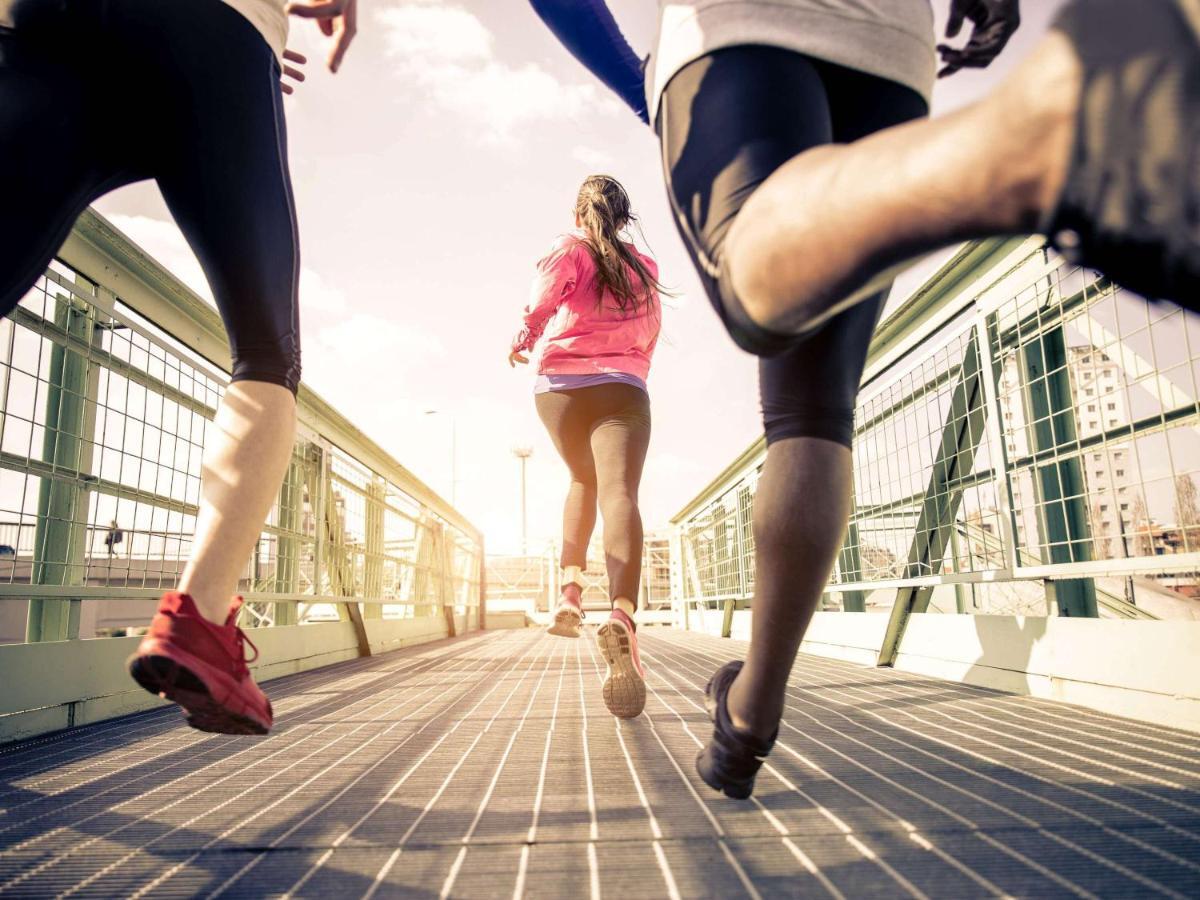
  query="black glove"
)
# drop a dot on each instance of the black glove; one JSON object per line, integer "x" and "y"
{"x": 994, "y": 23}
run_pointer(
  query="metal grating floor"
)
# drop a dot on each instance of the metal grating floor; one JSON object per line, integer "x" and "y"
{"x": 487, "y": 766}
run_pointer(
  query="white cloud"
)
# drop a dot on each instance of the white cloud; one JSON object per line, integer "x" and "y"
{"x": 595, "y": 160}
{"x": 448, "y": 53}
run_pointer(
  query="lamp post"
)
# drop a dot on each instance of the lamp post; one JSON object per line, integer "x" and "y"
{"x": 453, "y": 455}
{"x": 523, "y": 454}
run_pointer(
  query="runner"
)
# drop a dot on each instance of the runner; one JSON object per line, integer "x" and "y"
{"x": 1091, "y": 141}
{"x": 96, "y": 94}
{"x": 736, "y": 91}
{"x": 596, "y": 302}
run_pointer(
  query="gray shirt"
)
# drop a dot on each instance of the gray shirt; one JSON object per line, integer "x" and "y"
{"x": 892, "y": 39}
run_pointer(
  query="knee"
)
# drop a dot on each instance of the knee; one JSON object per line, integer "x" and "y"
{"x": 618, "y": 504}
{"x": 832, "y": 423}
{"x": 275, "y": 361}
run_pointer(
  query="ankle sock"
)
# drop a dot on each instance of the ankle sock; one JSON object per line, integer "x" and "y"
{"x": 626, "y": 606}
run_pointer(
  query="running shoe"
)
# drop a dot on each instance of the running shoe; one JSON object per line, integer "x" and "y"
{"x": 568, "y": 615}
{"x": 625, "y": 686}
{"x": 188, "y": 660}
{"x": 732, "y": 757}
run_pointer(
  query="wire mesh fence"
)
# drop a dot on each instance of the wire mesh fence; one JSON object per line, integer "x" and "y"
{"x": 1027, "y": 442}
{"x": 104, "y": 418}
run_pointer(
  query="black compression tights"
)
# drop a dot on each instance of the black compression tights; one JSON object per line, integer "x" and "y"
{"x": 727, "y": 121}
{"x": 96, "y": 94}
{"x": 602, "y": 434}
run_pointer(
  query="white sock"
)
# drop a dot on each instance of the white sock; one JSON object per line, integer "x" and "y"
{"x": 626, "y": 606}
{"x": 572, "y": 574}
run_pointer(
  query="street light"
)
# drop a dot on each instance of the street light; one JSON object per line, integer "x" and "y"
{"x": 453, "y": 455}
{"x": 523, "y": 454}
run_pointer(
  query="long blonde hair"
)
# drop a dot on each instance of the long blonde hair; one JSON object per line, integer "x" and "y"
{"x": 603, "y": 210}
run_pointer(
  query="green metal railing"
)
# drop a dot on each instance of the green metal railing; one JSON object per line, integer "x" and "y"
{"x": 1027, "y": 442}
{"x": 110, "y": 373}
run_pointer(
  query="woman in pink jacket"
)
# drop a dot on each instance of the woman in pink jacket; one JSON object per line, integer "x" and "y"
{"x": 595, "y": 300}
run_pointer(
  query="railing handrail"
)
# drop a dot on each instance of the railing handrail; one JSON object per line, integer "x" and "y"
{"x": 102, "y": 253}
{"x": 901, "y": 326}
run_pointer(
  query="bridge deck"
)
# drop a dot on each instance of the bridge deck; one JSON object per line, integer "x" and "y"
{"x": 487, "y": 766}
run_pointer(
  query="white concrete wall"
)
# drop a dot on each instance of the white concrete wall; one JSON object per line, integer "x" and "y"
{"x": 1141, "y": 669}
{"x": 57, "y": 684}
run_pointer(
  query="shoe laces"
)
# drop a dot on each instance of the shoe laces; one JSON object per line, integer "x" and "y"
{"x": 240, "y": 660}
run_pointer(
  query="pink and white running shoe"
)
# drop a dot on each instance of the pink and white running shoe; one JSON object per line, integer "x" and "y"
{"x": 625, "y": 686}
{"x": 568, "y": 615}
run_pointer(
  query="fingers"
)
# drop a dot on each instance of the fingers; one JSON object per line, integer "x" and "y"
{"x": 294, "y": 74}
{"x": 342, "y": 43}
{"x": 955, "y": 23}
{"x": 316, "y": 9}
{"x": 293, "y": 56}
{"x": 286, "y": 88}
{"x": 994, "y": 23}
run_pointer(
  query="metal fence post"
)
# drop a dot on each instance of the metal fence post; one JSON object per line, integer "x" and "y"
{"x": 1058, "y": 482}
{"x": 287, "y": 554}
{"x": 373, "y": 549}
{"x": 61, "y": 535}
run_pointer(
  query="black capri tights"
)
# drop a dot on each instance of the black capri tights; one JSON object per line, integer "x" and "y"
{"x": 602, "y": 434}
{"x": 727, "y": 121}
{"x": 96, "y": 94}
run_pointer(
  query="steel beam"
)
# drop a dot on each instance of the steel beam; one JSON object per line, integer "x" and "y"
{"x": 965, "y": 422}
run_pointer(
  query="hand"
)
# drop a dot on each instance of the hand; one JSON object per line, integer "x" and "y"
{"x": 338, "y": 19}
{"x": 994, "y": 23}
{"x": 516, "y": 357}
{"x": 290, "y": 72}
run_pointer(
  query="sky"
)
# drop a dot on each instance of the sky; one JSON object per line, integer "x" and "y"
{"x": 431, "y": 173}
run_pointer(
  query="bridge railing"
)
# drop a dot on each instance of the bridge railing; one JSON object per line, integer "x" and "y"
{"x": 110, "y": 373}
{"x": 1027, "y": 443}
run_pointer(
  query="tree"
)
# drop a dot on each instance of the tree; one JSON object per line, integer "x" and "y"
{"x": 1187, "y": 511}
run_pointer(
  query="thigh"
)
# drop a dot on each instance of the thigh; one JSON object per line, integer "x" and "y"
{"x": 620, "y": 437}
{"x": 810, "y": 389}
{"x": 727, "y": 121}
{"x": 567, "y": 421}
{"x": 223, "y": 172}
{"x": 54, "y": 160}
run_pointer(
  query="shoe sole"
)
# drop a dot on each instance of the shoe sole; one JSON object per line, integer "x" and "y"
{"x": 624, "y": 690}
{"x": 567, "y": 623}
{"x": 166, "y": 678}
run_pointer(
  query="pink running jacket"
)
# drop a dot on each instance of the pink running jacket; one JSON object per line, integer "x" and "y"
{"x": 585, "y": 336}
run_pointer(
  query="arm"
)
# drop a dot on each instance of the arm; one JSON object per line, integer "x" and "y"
{"x": 556, "y": 279}
{"x": 588, "y": 30}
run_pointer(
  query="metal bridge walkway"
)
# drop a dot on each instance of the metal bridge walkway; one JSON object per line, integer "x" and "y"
{"x": 487, "y": 766}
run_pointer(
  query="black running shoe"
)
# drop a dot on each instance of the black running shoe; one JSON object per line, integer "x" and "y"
{"x": 732, "y": 757}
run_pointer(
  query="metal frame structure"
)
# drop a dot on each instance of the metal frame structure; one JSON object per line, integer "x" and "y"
{"x": 1027, "y": 441}
{"x": 110, "y": 373}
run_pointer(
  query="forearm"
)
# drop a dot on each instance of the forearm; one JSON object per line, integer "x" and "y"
{"x": 588, "y": 30}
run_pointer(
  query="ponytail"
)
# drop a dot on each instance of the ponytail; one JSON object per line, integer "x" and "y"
{"x": 603, "y": 210}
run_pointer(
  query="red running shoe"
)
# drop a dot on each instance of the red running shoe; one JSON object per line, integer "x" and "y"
{"x": 625, "y": 687}
{"x": 568, "y": 615}
{"x": 201, "y": 666}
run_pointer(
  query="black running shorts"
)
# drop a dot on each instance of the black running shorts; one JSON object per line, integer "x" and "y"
{"x": 726, "y": 122}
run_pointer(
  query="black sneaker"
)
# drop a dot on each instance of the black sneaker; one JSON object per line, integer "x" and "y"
{"x": 732, "y": 757}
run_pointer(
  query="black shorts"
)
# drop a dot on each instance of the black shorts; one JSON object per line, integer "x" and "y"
{"x": 96, "y": 94}
{"x": 726, "y": 122}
